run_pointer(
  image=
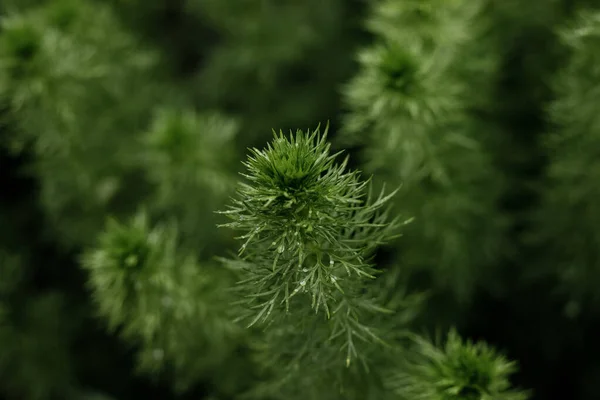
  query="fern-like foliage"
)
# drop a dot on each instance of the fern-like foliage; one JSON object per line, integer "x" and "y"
{"x": 309, "y": 230}
{"x": 309, "y": 225}
{"x": 457, "y": 370}
{"x": 409, "y": 109}
{"x": 176, "y": 310}
{"x": 299, "y": 356}
{"x": 75, "y": 109}
{"x": 568, "y": 219}
{"x": 189, "y": 158}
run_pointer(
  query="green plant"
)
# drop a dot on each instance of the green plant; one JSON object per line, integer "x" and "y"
{"x": 410, "y": 108}
{"x": 456, "y": 370}
{"x": 569, "y": 214}
{"x": 159, "y": 297}
{"x": 309, "y": 231}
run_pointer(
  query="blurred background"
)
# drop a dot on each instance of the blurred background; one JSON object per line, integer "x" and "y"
{"x": 485, "y": 112}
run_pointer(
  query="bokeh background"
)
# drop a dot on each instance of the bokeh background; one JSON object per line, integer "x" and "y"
{"x": 109, "y": 106}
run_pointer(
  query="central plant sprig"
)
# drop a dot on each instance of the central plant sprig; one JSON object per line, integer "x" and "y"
{"x": 310, "y": 226}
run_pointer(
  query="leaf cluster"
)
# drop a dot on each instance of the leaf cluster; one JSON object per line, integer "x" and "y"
{"x": 301, "y": 356}
{"x": 569, "y": 214}
{"x": 458, "y": 370}
{"x": 189, "y": 158}
{"x": 160, "y": 298}
{"x": 308, "y": 227}
{"x": 74, "y": 108}
{"x": 410, "y": 109}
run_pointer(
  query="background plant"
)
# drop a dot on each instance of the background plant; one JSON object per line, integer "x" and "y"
{"x": 140, "y": 113}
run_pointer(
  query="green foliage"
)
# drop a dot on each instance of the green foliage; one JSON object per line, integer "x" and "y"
{"x": 309, "y": 230}
{"x": 413, "y": 76}
{"x": 569, "y": 216}
{"x": 37, "y": 349}
{"x": 397, "y": 81}
{"x": 75, "y": 108}
{"x": 181, "y": 142}
{"x": 176, "y": 310}
{"x": 306, "y": 225}
{"x": 34, "y": 338}
{"x": 109, "y": 107}
{"x": 300, "y": 357}
{"x": 15, "y": 6}
{"x": 257, "y": 28}
{"x": 409, "y": 108}
{"x": 266, "y": 45}
{"x": 459, "y": 370}
{"x": 433, "y": 20}
{"x": 189, "y": 159}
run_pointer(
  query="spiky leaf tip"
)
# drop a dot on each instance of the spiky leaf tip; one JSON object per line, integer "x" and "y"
{"x": 458, "y": 370}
